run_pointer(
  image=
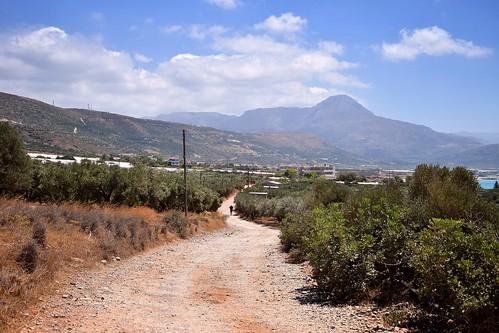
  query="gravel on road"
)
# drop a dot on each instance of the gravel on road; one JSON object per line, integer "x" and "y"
{"x": 233, "y": 280}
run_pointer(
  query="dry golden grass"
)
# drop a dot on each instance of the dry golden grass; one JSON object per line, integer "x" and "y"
{"x": 76, "y": 237}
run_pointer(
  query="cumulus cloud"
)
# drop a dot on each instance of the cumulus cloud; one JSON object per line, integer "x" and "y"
{"x": 200, "y": 31}
{"x": 196, "y": 31}
{"x": 141, "y": 58}
{"x": 285, "y": 24}
{"x": 432, "y": 41}
{"x": 169, "y": 29}
{"x": 332, "y": 47}
{"x": 225, "y": 4}
{"x": 241, "y": 72}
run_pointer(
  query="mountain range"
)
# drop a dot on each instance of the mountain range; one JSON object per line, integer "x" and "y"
{"x": 485, "y": 138}
{"x": 344, "y": 123}
{"x": 47, "y": 128}
{"x": 337, "y": 130}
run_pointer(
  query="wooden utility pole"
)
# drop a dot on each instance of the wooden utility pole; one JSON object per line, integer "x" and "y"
{"x": 185, "y": 174}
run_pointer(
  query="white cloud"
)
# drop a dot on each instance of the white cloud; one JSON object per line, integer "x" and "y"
{"x": 200, "y": 31}
{"x": 242, "y": 72}
{"x": 169, "y": 29}
{"x": 196, "y": 31}
{"x": 332, "y": 47}
{"x": 141, "y": 58}
{"x": 432, "y": 41}
{"x": 285, "y": 24}
{"x": 225, "y": 4}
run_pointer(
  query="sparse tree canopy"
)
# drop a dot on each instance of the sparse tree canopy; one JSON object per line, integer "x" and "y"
{"x": 291, "y": 173}
{"x": 14, "y": 163}
{"x": 496, "y": 185}
{"x": 350, "y": 177}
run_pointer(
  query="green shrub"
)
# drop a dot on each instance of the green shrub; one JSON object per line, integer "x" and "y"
{"x": 457, "y": 275}
{"x": 338, "y": 259}
{"x": 433, "y": 243}
{"x": 350, "y": 177}
{"x": 360, "y": 249}
{"x": 15, "y": 164}
{"x": 138, "y": 186}
{"x": 325, "y": 192}
{"x": 295, "y": 229}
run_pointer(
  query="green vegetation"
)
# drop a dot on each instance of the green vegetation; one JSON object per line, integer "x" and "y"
{"x": 278, "y": 203}
{"x": 223, "y": 184}
{"x": 492, "y": 195}
{"x": 90, "y": 182}
{"x": 350, "y": 177}
{"x": 432, "y": 242}
{"x": 14, "y": 163}
{"x": 98, "y": 183}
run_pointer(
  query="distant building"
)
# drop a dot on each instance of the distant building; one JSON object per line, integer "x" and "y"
{"x": 61, "y": 159}
{"x": 327, "y": 170}
{"x": 174, "y": 162}
{"x": 124, "y": 165}
{"x": 402, "y": 174}
{"x": 271, "y": 184}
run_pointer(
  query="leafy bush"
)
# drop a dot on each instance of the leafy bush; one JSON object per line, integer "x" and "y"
{"x": 295, "y": 231}
{"x": 457, "y": 275}
{"x": 325, "y": 192}
{"x": 339, "y": 265}
{"x": 223, "y": 184}
{"x": 433, "y": 243}
{"x": 99, "y": 183}
{"x": 350, "y": 177}
{"x": 252, "y": 206}
{"x": 14, "y": 163}
{"x": 359, "y": 250}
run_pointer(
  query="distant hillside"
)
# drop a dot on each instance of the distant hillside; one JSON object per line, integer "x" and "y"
{"x": 48, "y": 128}
{"x": 485, "y": 138}
{"x": 481, "y": 157}
{"x": 346, "y": 124}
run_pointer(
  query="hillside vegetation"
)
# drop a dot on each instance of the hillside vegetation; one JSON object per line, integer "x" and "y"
{"x": 91, "y": 182}
{"x": 94, "y": 212}
{"x": 346, "y": 124}
{"x": 432, "y": 243}
{"x": 47, "y": 128}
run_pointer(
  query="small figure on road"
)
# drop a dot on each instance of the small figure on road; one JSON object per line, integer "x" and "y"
{"x": 231, "y": 208}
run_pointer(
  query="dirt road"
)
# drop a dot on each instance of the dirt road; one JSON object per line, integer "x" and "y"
{"x": 234, "y": 280}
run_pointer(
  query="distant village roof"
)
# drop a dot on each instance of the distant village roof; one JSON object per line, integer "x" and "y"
{"x": 272, "y": 182}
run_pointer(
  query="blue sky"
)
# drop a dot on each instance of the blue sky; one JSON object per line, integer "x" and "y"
{"x": 431, "y": 62}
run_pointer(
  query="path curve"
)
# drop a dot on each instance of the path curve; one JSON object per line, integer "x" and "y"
{"x": 233, "y": 280}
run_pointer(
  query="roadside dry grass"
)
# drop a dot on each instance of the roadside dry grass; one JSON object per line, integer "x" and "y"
{"x": 41, "y": 243}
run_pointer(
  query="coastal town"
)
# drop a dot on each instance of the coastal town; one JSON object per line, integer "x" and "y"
{"x": 368, "y": 175}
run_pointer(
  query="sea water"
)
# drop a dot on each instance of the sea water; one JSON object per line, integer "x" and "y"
{"x": 487, "y": 183}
